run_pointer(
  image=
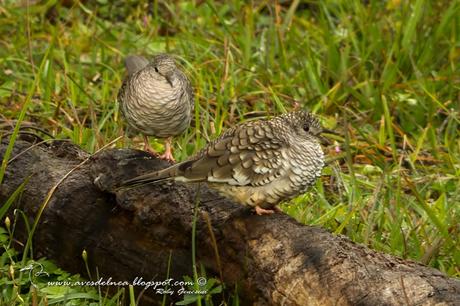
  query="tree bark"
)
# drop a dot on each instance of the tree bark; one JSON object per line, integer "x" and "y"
{"x": 140, "y": 232}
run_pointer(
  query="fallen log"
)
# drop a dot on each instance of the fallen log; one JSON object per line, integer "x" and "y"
{"x": 138, "y": 234}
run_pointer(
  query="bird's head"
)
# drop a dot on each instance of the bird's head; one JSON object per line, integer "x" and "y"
{"x": 164, "y": 65}
{"x": 304, "y": 124}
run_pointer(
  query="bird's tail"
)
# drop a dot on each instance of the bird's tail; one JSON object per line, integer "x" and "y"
{"x": 152, "y": 177}
{"x": 134, "y": 63}
{"x": 178, "y": 172}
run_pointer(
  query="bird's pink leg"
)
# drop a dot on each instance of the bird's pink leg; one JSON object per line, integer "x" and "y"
{"x": 260, "y": 211}
{"x": 147, "y": 146}
{"x": 167, "y": 155}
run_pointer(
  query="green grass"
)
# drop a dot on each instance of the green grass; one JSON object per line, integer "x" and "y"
{"x": 385, "y": 75}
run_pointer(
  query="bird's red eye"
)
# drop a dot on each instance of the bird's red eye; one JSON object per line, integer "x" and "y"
{"x": 306, "y": 127}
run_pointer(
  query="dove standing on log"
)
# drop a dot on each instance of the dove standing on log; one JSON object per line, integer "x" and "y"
{"x": 257, "y": 163}
{"x": 156, "y": 99}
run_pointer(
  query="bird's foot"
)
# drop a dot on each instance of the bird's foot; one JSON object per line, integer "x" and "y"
{"x": 261, "y": 211}
{"x": 167, "y": 155}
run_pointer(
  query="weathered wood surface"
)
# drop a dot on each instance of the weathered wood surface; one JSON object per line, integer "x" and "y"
{"x": 131, "y": 233}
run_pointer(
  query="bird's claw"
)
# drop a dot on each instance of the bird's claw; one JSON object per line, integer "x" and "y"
{"x": 167, "y": 156}
{"x": 261, "y": 211}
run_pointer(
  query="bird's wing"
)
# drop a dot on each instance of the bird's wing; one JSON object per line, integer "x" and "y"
{"x": 188, "y": 89}
{"x": 190, "y": 93}
{"x": 121, "y": 92}
{"x": 134, "y": 63}
{"x": 247, "y": 155}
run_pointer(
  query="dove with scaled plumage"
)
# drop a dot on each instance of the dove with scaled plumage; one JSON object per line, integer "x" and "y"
{"x": 156, "y": 99}
{"x": 257, "y": 163}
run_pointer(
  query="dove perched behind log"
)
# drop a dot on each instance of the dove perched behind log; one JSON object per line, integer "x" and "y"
{"x": 156, "y": 99}
{"x": 257, "y": 163}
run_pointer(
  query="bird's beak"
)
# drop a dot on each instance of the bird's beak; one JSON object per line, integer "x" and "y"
{"x": 169, "y": 78}
{"x": 323, "y": 138}
{"x": 324, "y": 141}
{"x": 328, "y": 131}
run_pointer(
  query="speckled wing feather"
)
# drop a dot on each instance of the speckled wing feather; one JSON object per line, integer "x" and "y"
{"x": 133, "y": 64}
{"x": 248, "y": 155}
{"x": 187, "y": 93}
